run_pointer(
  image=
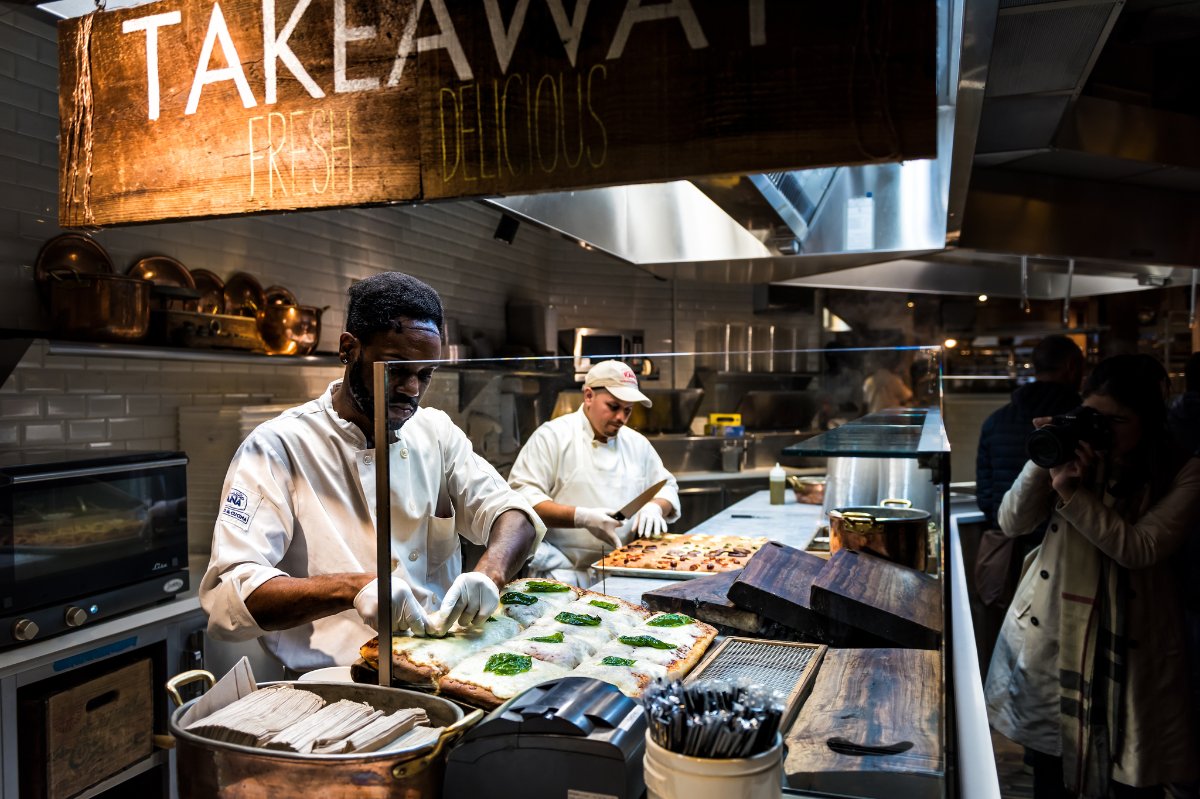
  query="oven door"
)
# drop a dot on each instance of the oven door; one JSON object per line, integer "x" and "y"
{"x": 73, "y": 533}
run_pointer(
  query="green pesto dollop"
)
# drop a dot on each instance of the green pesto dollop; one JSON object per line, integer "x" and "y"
{"x": 578, "y": 619}
{"x": 507, "y": 664}
{"x": 600, "y": 603}
{"x": 645, "y": 640}
{"x": 670, "y": 620}
{"x": 543, "y": 587}
{"x": 613, "y": 660}
{"x": 553, "y": 638}
{"x": 517, "y": 598}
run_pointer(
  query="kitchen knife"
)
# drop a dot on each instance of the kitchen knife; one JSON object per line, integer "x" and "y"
{"x": 638, "y": 501}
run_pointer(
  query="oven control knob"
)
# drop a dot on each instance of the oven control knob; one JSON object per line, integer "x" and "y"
{"x": 76, "y": 617}
{"x": 25, "y": 630}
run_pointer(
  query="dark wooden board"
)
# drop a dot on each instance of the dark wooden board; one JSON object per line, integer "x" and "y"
{"x": 885, "y": 599}
{"x": 417, "y": 101}
{"x": 706, "y": 599}
{"x": 873, "y": 698}
{"x": 776, "y": 584}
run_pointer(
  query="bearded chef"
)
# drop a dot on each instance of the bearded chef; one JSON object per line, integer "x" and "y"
{"x": 294, "y": 547}
{"x": 577, "y": 469}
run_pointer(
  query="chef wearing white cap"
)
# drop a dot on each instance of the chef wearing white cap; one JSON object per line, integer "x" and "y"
{"x": 578, "y": 469}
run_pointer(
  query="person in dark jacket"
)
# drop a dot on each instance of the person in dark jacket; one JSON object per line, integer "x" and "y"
{"x": 1184, "y": 417}
{"x": 1058, "y": 372}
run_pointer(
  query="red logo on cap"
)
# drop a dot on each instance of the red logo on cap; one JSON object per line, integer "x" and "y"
{"x": 627, "y": 373}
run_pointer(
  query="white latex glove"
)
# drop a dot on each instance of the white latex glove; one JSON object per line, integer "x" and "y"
{"x": 600, "y": 523}
{"x": 407, "y": 613}
{"x": 649, "y": 521}
{"x": 471, "y": 599}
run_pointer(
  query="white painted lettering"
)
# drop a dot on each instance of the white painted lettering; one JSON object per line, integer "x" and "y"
{"x": 758, "y": 23}
{"x": 219, "y": 31}
{"x": 341, "y": 36}
{"x": 276, "y": 48}
{"x": 505, "y": 40}
{"x": 635, "y": 12}
{"x": 445, "y": 39}
{"x": 150, "y": 25}
{"x": 569, "y": 32}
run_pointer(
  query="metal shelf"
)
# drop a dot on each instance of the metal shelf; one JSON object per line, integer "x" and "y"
{"x": 146, "y": 352}
{"x": 159, "y": 758}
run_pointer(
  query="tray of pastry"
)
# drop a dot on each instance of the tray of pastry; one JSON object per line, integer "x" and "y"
{"x": 680, "y": 557}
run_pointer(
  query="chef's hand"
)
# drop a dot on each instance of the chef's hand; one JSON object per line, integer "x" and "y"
{"x": 471, "y": 599}
{"x": 600, "y": 523}
{"x": 407, "y": 613}
{"x": 649, "y": 521}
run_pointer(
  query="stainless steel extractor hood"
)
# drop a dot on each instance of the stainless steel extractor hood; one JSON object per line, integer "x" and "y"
{"x": 780, "y": 226}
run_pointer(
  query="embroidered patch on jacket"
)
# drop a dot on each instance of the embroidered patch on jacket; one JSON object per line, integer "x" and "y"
{"x": 240, "y": 507}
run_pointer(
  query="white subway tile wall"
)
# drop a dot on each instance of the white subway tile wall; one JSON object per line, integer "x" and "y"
{"x": 134, "y": 404}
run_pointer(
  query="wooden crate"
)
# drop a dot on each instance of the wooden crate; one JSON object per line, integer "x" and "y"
{"x": 83, "y": 734}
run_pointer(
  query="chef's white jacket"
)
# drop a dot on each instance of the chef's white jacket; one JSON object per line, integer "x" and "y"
{"x": 563, "y": 462}
{"x": 299, "y": 500}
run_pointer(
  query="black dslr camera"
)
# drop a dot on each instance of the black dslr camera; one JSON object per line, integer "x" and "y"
{"x": 1055, "y": 443}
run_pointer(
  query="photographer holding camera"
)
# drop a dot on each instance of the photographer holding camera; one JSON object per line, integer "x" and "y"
{"x": 1089, "y": 671}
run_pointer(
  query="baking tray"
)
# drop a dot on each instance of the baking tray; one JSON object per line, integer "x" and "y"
{"x": 661, "y": 574}
{"x": 786, "y": 666}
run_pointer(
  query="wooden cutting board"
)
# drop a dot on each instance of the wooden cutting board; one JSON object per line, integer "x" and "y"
{"x": 872, "y": 726}
{"x": 705, "y": 599}
{"x": 776, "y": 584}
{"x": 887, "y": 600}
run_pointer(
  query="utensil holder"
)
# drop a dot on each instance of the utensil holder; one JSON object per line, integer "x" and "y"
{"x": 673, "y": 776}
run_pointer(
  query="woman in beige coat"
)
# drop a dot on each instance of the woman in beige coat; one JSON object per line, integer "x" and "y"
{"x": 1090, "y": 668}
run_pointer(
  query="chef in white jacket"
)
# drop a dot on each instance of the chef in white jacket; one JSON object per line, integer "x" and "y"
{"x": 578, "y": 469}
{"x": 294, "y": 547}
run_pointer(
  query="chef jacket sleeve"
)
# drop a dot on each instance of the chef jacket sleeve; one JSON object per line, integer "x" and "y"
{"x": 1028, "y": 503}
{"x": 252, "y": 533}
{"x": 478, "y": 491}
{"x": 532, "y": 475}
{"x": 1157, "y": 534}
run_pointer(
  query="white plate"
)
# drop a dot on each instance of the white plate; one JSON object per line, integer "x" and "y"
{"x": 328, "y": 674}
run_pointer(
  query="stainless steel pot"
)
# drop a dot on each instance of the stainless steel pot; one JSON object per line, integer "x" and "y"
{"x": 99, "y": 306}
{"x": 892, "y": 530}
{"x": 208, "y": 769}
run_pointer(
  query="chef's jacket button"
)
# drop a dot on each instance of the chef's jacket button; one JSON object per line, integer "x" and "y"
{"x": 1054, "y": 528}
{"x": 404, "y": 452}
{"x": 414, "y": 555}
{"x": 1033, "y": 620}
{"x": 1045, "y": 574}
{"x": 367, "y": 459}
{"x": 412, "y": 507}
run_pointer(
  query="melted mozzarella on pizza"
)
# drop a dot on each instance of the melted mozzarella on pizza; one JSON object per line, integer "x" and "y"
{"x": 632, "y": 680}
{"x": 504, "y": 686}
{"x": 548, "y": 602}
{"x": 643, "y": 654}
{"x": 612, "y": 620}
{"x": 684, "y": 635}
{"x": 592, "y": 637}
{"x": 568, "y": 654}
{"x": 444, "y": 653}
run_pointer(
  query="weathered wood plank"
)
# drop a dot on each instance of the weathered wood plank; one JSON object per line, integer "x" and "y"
{"x": 251, "y": 106}
{"x": 872, "y": 725}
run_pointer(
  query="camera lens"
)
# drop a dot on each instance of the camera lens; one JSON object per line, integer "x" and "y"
{"x": 1047, "y": 448}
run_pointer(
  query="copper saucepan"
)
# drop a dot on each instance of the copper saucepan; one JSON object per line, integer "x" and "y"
{"x": 99, "y": 306}
{"x": 892, "y": 530}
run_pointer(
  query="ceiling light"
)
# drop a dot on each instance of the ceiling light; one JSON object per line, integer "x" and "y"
{"x": 983, "y": 298}
{"x": 910, "y": 304}
{"x": 950, "y": 343}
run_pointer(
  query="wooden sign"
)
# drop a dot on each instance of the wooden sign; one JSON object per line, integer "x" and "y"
{"x": 196, "y": 108}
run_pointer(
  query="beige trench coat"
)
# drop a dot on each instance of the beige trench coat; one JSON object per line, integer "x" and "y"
{"x": 1022, "y": 693}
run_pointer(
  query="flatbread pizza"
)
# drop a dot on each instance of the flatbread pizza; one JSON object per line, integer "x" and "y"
{"x": 490, "y": 677}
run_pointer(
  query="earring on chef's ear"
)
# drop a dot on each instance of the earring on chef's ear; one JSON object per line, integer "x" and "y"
{"x": 345, "y": 359}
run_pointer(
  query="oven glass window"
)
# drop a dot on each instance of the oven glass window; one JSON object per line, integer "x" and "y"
{"x": 83, "y": 525}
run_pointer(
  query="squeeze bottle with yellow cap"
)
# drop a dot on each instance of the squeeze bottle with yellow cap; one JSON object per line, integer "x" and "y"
{"x": 778, "y": 483}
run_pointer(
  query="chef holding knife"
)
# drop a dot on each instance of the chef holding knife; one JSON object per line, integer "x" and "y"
{"x": 576, "y": 471}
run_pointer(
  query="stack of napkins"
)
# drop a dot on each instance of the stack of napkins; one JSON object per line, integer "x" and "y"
{"x": 258, "y": 717}
{"x": 380, "y": 731}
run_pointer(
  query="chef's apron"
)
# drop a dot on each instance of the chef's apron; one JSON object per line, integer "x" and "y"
{"x": 600, "y": 480}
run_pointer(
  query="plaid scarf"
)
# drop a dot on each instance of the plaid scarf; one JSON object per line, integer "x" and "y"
{"x": 1093, "y": 647}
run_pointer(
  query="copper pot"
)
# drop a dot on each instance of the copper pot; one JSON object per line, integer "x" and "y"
{"x": 307, "y": 333}
{"x": 808, "y": 490}
{"x": 278, "y": 324}
{"x": 100, "y": 306}
{"x": 891, "y": 530}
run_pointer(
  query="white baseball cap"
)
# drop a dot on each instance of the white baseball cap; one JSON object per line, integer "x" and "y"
{"x": 618, "y": 379}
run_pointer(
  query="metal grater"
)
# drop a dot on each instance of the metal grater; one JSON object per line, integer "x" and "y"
{"x": 783, "y": 666}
